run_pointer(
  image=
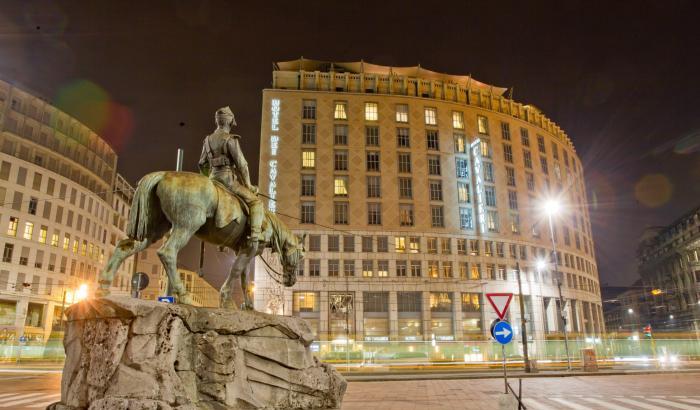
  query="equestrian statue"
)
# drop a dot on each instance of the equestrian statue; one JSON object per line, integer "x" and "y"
{"x": 219, "y": 206}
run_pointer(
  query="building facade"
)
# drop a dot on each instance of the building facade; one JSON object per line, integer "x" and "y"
{"x": 419, "y": 193}
{"x": 60, "y": 217}
{"x": 669, "y": 265}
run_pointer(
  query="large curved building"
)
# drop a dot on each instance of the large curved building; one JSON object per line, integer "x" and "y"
{"x": 419, "y": 193}
{"x": 60, "y": 217}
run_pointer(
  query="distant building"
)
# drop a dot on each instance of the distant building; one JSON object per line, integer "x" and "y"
{"x": 669, "y": 264}
{"x": 625, "y": 309}
{"x": 420, "y": 192}
{"x": 60, "y": 214}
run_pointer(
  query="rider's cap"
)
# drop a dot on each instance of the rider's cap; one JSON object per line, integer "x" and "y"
{"x": 226, "y": 112}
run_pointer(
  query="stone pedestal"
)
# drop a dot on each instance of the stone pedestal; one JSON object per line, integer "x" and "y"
{"x": 124, "y": 353}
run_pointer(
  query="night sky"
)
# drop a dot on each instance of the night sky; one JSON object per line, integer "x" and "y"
{"x": 622, "y": 78}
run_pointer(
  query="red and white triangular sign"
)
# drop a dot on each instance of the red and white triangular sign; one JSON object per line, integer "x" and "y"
{"x": 500, "y": 302}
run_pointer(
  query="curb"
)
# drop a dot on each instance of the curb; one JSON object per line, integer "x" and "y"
{"x": 520, "y": 375}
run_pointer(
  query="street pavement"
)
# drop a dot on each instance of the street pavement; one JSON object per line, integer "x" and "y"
{"x": 24, "y": 390}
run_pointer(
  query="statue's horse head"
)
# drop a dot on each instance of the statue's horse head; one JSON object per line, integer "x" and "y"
{"x": 291, "y": 255}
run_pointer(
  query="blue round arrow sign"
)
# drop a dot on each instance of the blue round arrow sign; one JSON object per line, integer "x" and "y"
{"x": 502, "y": 332}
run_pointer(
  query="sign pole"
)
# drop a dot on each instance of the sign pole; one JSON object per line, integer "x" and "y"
{"x": 505, "y": 374}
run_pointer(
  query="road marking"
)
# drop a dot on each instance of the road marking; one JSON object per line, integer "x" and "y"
{"x": 45, "y": 404}
{"x": 639, "y": 403}
{"x": 690, "y": 401}
{"x": 24, "y": 398}
{"x": 674, "y": 404}
{"x": 532, "y": 404}
{"x": 570, "y": 404}
{"x": 606, "y": 405}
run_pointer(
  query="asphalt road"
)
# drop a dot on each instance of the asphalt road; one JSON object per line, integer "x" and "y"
{"x": 21, "y": 390}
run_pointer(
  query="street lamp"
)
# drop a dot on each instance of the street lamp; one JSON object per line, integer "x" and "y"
{"x": 630, "y": 311}
{"x": 552, "y": 208}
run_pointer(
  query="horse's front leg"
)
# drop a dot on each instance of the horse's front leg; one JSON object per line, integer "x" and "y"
{"x": 227, "y": 290}
{"x": 249, "y": 254}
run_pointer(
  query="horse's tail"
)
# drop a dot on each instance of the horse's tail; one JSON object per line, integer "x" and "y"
{"x": 141, "y": 206}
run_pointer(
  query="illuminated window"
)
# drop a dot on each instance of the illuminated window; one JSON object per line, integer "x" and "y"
{"x": 371, "y": 111}
{"x": 382, "y": 269}
{"x": 75, "y": 246}
{"x": 43, "y": 233}
{"x": 401, "y": 113}
{"x": 83, "y": 248}
{"x": 28, "y": 230}
{"x": 367, "y": 268}
{"x": 433, "y": 269}
{"x": 430, "y": 116}
{"x": 12, "y": 226}
{"x": 485, "y": 149}
{"x": 463, "y": 192}
{"x": 414, "y": 244}
{"x": 305, "y": 302}
{"x": 66, "y": 241}
{"x": 492, "y": 221}
{"x": 482, "y": 124}
{"x": 440, "y": 302}
{"x": 515, "y": 223}
{"x": 466, "y": 220}
{"x": 460, "y": 143}
{"x": 308, "y": 159}
{"x": 406, "y": 215}
{"x": 54, "y": 239}
{"x": 341, "y": 186}
{"x": 400, "y": 244}
{"x": 340, "y": 112}
{"x": 471, "y": 302}
{"x": 446, "y": 269}
{"x": 475, "y": 272}
{"x": 458, "y": 120}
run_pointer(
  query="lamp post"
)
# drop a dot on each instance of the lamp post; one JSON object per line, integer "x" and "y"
{"x": 553, "y": 207}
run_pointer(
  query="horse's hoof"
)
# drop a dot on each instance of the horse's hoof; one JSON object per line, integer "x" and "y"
{"x": 185, "y": 299}
{"x": 228, "y": 304}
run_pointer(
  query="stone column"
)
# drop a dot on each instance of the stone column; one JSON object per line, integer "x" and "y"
{"x": 359, "y": 316}
{"x": 457, "y": 328}
{"x": 393, "y": 316}
{"x": 323, "y": 316}
{"x": 427, "y": 331}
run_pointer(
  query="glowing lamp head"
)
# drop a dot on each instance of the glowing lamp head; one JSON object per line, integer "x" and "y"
{"x": 81, "y": 294}
{"x": 541, "y": 264}
{"x": 552, "y": 207}
{"x": 630, "y": 311}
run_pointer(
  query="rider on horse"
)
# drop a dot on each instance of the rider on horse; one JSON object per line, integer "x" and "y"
{"x": 223, "y": 160}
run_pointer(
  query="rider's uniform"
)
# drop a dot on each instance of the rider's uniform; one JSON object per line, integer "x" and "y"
{"x": 222, "y": 154}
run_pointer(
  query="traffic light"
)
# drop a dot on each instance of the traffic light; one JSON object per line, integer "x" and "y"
{"x": 647, "y": 331}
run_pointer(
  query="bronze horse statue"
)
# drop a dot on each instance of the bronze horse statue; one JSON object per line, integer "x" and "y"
{"x": 180, "y": 205}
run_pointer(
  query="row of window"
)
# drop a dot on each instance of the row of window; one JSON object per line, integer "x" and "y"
{"x": 77, "y": 268}
{"x": 430, "y": 117}
{"x": 445, "y": 246}
{"x": 86, "y": 249}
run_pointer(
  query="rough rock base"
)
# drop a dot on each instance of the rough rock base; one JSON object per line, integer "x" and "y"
{"x": 124, "y": 353}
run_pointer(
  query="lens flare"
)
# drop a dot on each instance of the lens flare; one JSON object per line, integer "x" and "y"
{"x": 653, "y": 190}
